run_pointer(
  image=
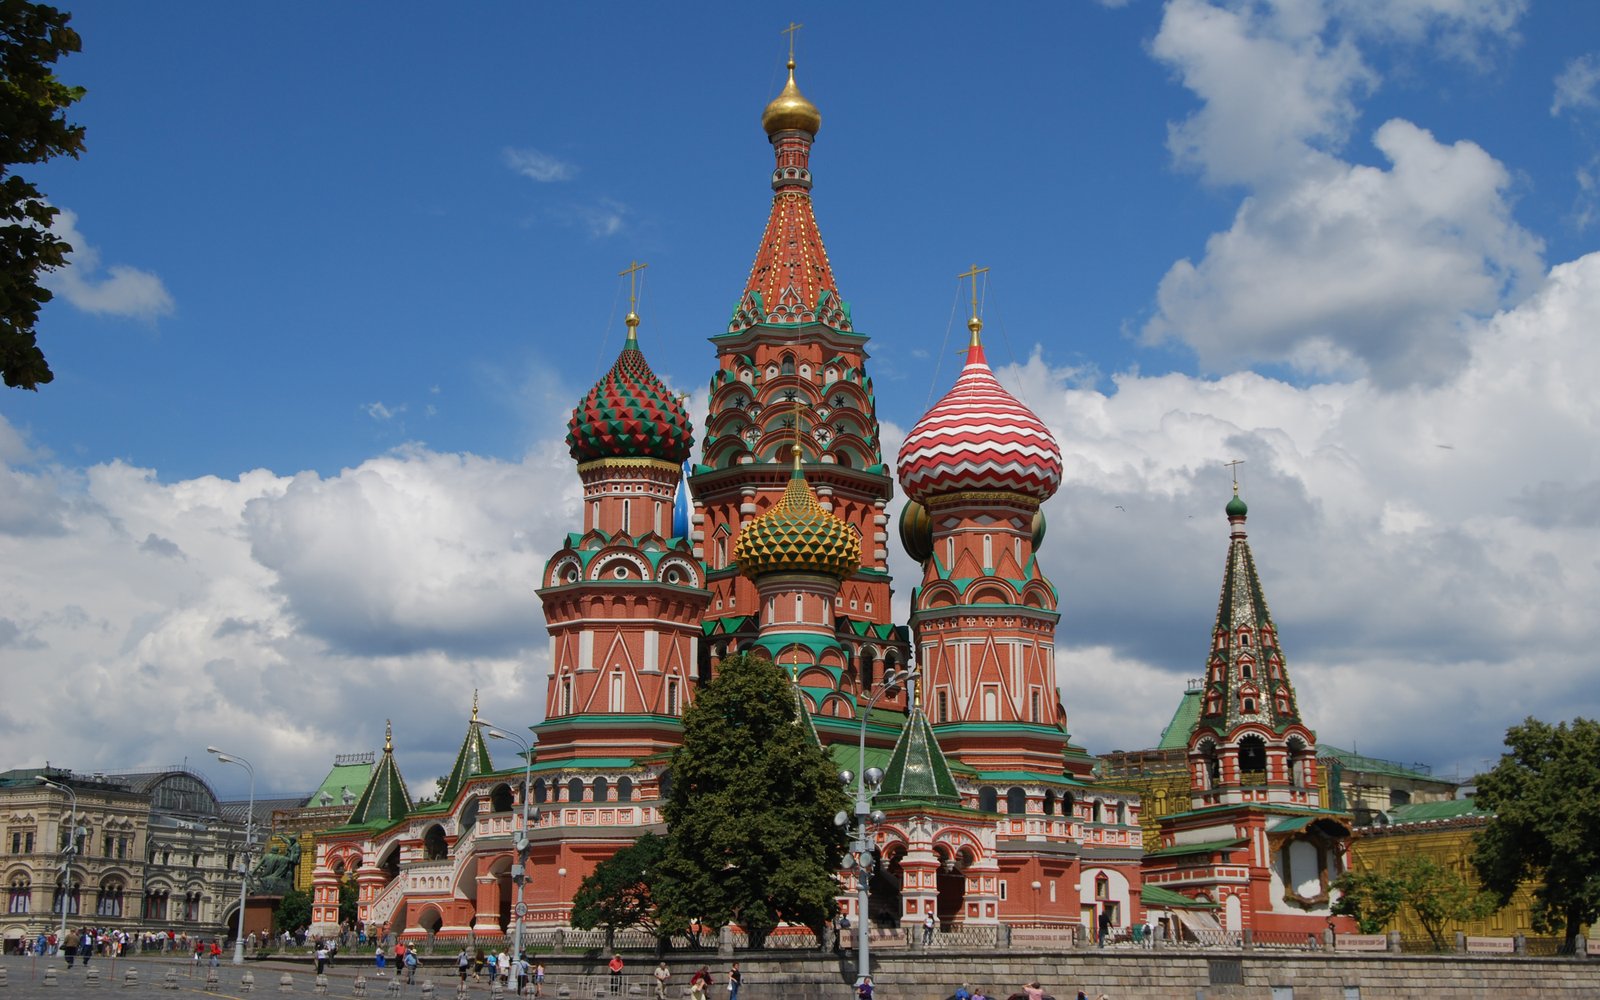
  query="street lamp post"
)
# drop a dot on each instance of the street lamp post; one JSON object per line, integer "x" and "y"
{"x": 866, "y": 818}
{"x": 249, "y": 840}
{"x": 66, "y": 857}
{"x": 519, "y": 870}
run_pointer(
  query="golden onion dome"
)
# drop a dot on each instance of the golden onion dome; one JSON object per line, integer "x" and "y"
{"x": 798, "y": 535}
{"x": 916, "y": 531}
{"x": 791, "y": 110}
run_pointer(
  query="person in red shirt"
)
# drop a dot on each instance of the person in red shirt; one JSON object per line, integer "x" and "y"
{"x": 616, "y": 974}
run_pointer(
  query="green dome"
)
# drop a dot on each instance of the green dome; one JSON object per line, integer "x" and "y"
{"x": 1236, "y": 507}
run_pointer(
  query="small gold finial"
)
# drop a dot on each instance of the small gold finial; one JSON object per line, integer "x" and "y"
{"x": 632, "y": 319}
{"x": 388, "y": 735}
{"x": 474, "y": 704}
{"x": 974, "y": 324}
{"x": 1233, "y": 466}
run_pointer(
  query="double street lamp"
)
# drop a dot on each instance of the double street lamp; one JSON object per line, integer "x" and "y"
{"x": 530, "y": 816}
{"x": 67, "y": 853}
{"x": 861, "y": 848}
{"x": 249, "y": 840}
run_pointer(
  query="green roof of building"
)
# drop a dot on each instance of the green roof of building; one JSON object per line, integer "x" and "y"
{"x": 1205, "y": 847}
{"x": 1425, "y": 812}
{"x": 472, "y": 759}
{"x": 917, "y": 768}
{"x": 352, "y": 778}
{"x": 385, "y": 799}
{"x": 1176, "y": 735}
{"x": 1166, "y": 899}
{"x": 1352, "y": 761}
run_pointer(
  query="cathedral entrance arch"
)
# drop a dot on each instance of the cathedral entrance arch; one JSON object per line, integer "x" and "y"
{"x": 883, "y": 888}
{"x": 951, "y": 882}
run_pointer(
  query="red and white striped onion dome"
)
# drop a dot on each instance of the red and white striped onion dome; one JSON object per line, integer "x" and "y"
{"x": 979, "y": 437}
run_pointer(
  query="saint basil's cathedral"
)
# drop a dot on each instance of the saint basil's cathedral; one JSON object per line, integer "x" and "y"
{"x": 774, "y": 540}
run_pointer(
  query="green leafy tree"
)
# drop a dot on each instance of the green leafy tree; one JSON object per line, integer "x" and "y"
{"x": 1545, "y": 797}
{"x": 33, "y": 129}
{"x": 293, "y": 911}
{"x": 750, "y": 816}
{"x": 1437, "y": 896}
{"x": 621, "y": 891}
{"x": 1372, "y": 897}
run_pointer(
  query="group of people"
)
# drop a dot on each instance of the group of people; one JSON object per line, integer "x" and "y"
{"x": 499, "y": 967}
{"x": 699, "y": 981}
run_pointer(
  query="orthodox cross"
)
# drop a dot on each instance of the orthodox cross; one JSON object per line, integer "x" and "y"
{"x": 973, "y": 274}
{"x": 790, "y": 30}
{"x": 632, "y": 271}
{"x": 1233, "y": 466}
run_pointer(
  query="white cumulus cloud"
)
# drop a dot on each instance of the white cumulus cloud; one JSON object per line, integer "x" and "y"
{"x": 113, "y": 290}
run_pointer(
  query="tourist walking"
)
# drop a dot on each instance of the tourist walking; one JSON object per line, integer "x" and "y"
{"x": 505, "y": 968}
{"x": 463, "y": 964}
{"x": 1033, "y": 990}
{"x": 734, "y": 979}
{"x": 411, "y": 966}
{"x": 322, "y": 957}
{"x": 615, "y": 965}
{"x": 477, "y": 966}
{"x": 864, "y": 988}
{"x": 379, "y": 959}
{"x": 927, "y": 929}
{"x": 662, "y": 974}
{"x": 522, "y": 974}
{"x": 538, "y": 980}
{"x": 698, "y": 983}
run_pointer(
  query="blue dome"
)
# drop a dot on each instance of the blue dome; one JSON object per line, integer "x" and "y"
{"x": 681, "y": 506}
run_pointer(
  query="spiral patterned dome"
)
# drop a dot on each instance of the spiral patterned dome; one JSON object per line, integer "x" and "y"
{"x": 798, "y": 535}
{"x": 979, "y": 437}
{"x": 630, "y": 413}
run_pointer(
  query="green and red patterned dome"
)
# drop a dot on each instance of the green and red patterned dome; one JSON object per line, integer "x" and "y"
{"x": 630, "y": 413}
{"x": 797, "y": 535}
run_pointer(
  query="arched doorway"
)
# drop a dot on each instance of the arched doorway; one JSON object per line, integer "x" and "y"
{"x": 951, "y": 881}
{"x": 433, "y": 844}
{"x": 430, "y": 920}
{"x": 883, "y": 888}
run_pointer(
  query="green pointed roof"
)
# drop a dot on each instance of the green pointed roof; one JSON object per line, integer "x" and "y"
{"x": 1245, "y": 635}
{"x": 918, "y": 771}
{"x": 386, "y": 798}
{"x": 472, "y": 759}
{"x": 1176, "y": 735}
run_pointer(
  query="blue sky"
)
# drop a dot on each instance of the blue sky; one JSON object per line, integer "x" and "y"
{"x": 343, "y": 270}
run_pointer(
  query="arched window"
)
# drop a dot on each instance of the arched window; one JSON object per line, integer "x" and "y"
{"x": 575, "y": 790}
{"x": 1049, "y": 801}
{"x": 469, "y": 814}
{"x": 566, "y": 696}
{"x": 624, "y": 789}
{"x": 988, "y": 799}
{"x": 110, "y": 901}
{"x": 988, "y": 551}
{"x": 433, "y": 844}
{"x": 665, "y": 783}
{"x": 539, "y": 795}
{"x": 500, "y": 799}
{"x": 602, "y": 788}
{"x": 1253, "y": 760}
{"x": 20, "y": 898}
{"x": 1095, "y": 813}
{"x": 1122, "y": 814}
{"x": 1102, "y": 886}
{"x": 865, "y": 669}
{"x": 627, "y": 517}
{"x": 1016, "y": 801}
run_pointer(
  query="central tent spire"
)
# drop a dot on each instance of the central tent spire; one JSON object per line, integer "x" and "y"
{"x": 791, "y": 281}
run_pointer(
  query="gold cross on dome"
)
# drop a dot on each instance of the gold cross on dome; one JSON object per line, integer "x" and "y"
{"x": 632, "y": 271}
{"x": 790, "y": 31}
{"x": 973, "y": 274}
{"x": 1233, "y": 466}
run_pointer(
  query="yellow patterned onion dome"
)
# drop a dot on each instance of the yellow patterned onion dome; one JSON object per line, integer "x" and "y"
{"x": 797, "y": 535}
{"x": 791, "y": 110}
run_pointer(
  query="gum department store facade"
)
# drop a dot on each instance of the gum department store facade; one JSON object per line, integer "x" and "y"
{"x": 776, "y": 540}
